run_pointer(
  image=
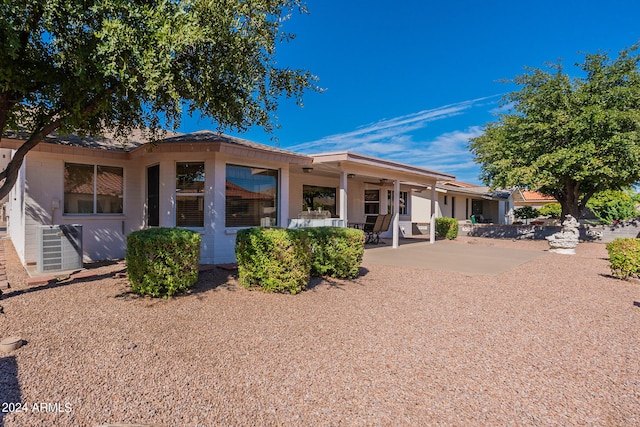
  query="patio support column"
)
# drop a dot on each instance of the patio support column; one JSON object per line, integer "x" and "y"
{"x": 432, "y": 220}
{"x": 343, "y": 197}
{"x": 396, "y": 212}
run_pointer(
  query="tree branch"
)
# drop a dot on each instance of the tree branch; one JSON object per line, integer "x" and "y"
{"x": 10, "y": 173}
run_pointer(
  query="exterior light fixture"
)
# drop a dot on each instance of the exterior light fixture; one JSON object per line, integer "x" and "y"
{"x": 307, "y": 170}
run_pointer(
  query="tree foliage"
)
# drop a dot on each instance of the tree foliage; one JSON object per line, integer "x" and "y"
{"x": 554, "y": 210}
{"x": 567, "y": 137}
{"x": 526, "y": 212}
{"x": 96, "y": 67}
{"x": 614, "y": 205}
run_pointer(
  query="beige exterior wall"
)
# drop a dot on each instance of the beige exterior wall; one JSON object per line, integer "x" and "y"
{"x": 104, "y": 236}
{"x": 218, "y": 241}
{"x": 15, "y": 212}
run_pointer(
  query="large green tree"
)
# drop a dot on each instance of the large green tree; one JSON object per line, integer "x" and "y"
{"x": 110, "y": 66}
{"x": 567, "y": 137}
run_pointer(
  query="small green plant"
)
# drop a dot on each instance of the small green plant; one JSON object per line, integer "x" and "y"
{"x": 624, "y": 257}
{"x": 336, "y": 252}
{"x": 162, "y": 261}
{"x": 447, "y": 228}
{"x": 553, "y": 210}
{"x": 274, "y": 259}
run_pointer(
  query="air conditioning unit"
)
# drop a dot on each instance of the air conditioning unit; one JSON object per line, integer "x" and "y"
{"x": 60, "y": 247}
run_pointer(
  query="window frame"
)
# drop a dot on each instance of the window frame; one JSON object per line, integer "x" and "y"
{"x": 197, "y": 195}
{"x": 372, "y": 202}
{"x": 94, "y": 185}
{"x": 321, "y": 188}
{"x": 278, "y": 196}
{"x": 402, "y": 212}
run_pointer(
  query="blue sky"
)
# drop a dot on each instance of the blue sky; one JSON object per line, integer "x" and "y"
{"x": 412, "y": 81}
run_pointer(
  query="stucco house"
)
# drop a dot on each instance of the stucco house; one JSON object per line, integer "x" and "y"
{"x": 205, "y": 181}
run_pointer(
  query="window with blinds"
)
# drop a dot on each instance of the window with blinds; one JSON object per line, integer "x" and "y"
{"x": 190, "y": 194}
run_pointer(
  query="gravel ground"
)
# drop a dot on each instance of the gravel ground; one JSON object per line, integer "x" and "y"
{"x": 555, "y": 341}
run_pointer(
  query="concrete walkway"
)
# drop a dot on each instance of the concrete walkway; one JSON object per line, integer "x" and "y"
{"x": 447, "y": 255}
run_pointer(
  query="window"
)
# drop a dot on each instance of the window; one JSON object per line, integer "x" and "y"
{"x": 319, "y": 197}
{"x": 371, "y": 202}
{"x": 251, "y": 197}
{"x": 403, "y": 202}
{"x": 92, "y": 189}
{"x": 190, "y": 194}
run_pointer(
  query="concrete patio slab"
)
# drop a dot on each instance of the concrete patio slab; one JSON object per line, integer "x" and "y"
{"x": 445, "y": 255}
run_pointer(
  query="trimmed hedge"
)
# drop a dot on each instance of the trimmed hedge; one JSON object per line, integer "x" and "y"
{"x": 336, "y": 252}
{"x": 275, "y": 259}
{"x": 446, "y": 227}
{"x": 162, "y": 261}
{"x": 624, "y": 256}
{"x": 283, "y": 260}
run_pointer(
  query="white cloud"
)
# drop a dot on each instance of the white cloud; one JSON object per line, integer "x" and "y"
{"x": 379, "y": 138}
{"x": 395, "y": 139}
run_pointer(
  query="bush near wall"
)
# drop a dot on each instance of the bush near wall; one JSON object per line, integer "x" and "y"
{"x": 275, "y": 259}
{"x": 624, "y": 257}
{"x": 446, "y": 228}
{"x": 162, "y": 261}
{"x": 336, "y": 252}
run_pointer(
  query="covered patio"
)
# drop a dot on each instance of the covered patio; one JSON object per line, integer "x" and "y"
{"x": 352, "y": 186}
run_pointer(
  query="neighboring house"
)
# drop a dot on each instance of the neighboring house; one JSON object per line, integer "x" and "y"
{"x": 205, "y": 181}
{"x": 531, "y": 198}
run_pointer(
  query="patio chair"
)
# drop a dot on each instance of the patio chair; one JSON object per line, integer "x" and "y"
{"x": 373, "y": 230}
{"x": 369, "y": 222}
{"x": 381, "y": 225}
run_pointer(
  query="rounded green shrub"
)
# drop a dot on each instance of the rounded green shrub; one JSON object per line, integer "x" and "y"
{"x": 613, "y": 205}
{"x": 446, "y": 228}
{"x": 527, "y": 212}
{"x": 624, "y": 257}
{"x": 274, "y": 259}
{"x": 162, "y": 261}
{"x": 336, "y": 251}
{"x": 553, "y": 210}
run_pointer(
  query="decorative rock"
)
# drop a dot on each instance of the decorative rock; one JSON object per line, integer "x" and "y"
{"x": 10, "y": 344}
{"x": 565, "y": 241}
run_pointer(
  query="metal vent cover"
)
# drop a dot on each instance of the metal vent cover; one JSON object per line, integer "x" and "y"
{"x": 59, "y": 247}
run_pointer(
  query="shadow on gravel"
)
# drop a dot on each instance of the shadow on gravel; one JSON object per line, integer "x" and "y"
{"x": 207, "y": 281}
{"x": 336, "y": 283}
{"x": 62, "y": 281}
{"x": 10, "y": 393}
{"x": 212, "y": 280}
{"x": 636, "y": 303}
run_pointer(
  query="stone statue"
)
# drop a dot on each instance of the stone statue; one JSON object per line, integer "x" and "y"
{"x": 565, "y": 241}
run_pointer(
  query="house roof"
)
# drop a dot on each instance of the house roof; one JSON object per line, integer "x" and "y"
{"x": 207, "y": 136}
{"x": 531, "y": 196}
{"x": 459, "y": 184}
{"x": 109, "y": 141}
{"x": 474, "y": 190}
{"x": 344, "y": 158}
{"x": 140, "y": 141}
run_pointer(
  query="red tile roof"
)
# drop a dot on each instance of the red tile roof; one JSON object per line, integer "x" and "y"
{"x": 529, "y": 195}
